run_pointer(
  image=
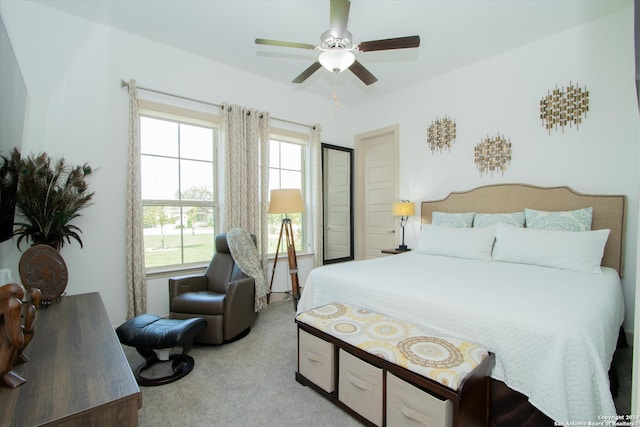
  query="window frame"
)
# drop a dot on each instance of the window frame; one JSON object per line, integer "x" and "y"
{"x": 180, "y": 115}
{"x": 303, "y": 140}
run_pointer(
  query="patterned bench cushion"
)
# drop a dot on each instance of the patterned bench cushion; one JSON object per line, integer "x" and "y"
{"x": 444, "y": 359}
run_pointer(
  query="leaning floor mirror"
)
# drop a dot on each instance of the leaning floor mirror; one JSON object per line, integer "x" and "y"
{"x": 337, "y": 190}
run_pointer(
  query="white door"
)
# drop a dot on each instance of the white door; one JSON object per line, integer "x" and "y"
{"x": 377, "y": 157}
{"x": 337, "y": 204}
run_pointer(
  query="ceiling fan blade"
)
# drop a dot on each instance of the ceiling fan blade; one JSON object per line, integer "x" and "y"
{"x": 285, "y": 44}
{"x": 339, "y": 17}
{"x": 362, "y": 73}
{"x": 306, "y": 73}
{"x": 388, "y": 44}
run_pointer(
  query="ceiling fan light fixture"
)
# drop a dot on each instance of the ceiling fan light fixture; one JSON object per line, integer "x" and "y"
{"x": 336, "y": 60}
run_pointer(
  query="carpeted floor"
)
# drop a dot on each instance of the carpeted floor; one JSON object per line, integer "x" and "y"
{"x": 623, "y": 362}
{"x": 251, "y": 382}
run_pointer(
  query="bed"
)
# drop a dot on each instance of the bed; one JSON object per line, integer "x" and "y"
{"x": 551, "y": 318}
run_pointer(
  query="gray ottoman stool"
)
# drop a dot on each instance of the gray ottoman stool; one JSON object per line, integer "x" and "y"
{"x": 149, "y": 332}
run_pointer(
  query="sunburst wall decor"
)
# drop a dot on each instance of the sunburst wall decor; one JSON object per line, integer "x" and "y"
{"x": 564, "y": 106}
{"x": 441, "y": 134}
{"x": 492, "y": 154}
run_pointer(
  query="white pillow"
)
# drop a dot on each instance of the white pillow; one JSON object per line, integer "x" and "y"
{"x": 469, "y": 243}
{"x": 569, "y": 250}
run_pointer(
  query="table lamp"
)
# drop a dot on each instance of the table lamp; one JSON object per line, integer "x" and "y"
{"x": 404, "y": 209}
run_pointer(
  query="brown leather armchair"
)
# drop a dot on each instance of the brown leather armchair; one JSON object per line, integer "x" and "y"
{"x": 223, "y": 296}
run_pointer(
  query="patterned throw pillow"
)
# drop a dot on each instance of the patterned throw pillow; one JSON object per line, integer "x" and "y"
{"x": 484, "y": 220}
{"x": 457, "y": 220}
{"x": 578, "y": 220}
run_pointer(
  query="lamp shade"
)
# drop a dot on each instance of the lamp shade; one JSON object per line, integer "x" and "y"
{"x": 404, "y": 208}
{"x": 336, "y": 60}
{"x": 286, "y": 200}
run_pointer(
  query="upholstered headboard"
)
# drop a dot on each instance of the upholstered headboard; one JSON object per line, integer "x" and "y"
{"x": 608, "y": 210}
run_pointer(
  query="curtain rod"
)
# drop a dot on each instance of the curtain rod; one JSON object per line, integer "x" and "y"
{"x": 125, "y": 84}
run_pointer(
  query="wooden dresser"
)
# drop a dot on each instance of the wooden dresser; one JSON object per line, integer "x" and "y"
{"x": 78, "y": 374}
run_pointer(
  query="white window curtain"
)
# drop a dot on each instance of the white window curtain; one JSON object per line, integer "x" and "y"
{"x": 245, "y": 174}
{"x": 136, "y": 279}
{"x": 316, "y": 209}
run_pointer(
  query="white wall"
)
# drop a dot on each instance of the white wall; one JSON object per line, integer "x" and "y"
{"x": 78, "y": 110}
{"x": 14, "y": 96}
{"x": 501, "y": 95}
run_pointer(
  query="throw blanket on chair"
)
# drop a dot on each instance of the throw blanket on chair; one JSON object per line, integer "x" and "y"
{"x": 245, "y": 254}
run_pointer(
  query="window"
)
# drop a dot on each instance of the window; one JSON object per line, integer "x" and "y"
{"x": 178, "y": 163}
{"x": 286, "y": 170}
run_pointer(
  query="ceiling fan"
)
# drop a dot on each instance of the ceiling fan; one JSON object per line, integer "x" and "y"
{"x": 337, "y": 48}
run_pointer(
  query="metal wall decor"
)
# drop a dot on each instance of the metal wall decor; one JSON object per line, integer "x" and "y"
{"x": 441, "y": 134}
{"x": 564, "y": 106}
{"x": 492, "y": 154}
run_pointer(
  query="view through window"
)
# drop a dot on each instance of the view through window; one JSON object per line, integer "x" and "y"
{"x": 178, "y": 162}
{"x": 286, "y": 161}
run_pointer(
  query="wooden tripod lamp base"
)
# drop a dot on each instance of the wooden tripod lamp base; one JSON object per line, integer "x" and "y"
{"x": 293, "y": 261}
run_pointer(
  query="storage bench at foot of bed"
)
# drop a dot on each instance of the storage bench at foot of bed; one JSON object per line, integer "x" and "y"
{"x": 386, "y": 372}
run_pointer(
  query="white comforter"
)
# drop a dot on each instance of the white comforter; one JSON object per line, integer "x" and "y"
{"x": 553, "y": 331}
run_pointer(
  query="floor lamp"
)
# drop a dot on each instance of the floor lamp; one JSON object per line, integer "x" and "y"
{"x": 287, "y": 201}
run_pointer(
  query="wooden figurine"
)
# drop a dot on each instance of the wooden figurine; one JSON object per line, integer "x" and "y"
{"x": 29, "y": 314}
{"x": 11, "y": 335}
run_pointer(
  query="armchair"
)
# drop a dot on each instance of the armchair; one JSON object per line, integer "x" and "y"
{"x": 223, "y": 296}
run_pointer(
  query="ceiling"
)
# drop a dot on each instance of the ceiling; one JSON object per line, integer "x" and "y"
{"x": 453, "y": 33}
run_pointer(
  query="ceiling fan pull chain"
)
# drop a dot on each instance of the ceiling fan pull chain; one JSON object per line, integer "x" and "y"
{"x": 335, "y": 91}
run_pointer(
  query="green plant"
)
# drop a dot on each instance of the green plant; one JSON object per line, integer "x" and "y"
{"x": 9, "y": 166}
{"x": 50, "y": 195}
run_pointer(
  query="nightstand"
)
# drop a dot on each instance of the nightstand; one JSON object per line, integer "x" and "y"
{"x": 394, "y": 251}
